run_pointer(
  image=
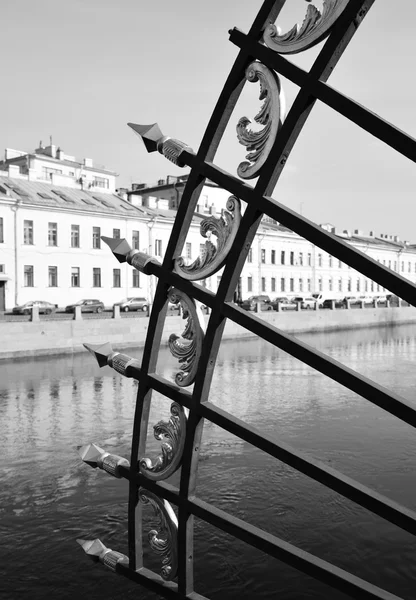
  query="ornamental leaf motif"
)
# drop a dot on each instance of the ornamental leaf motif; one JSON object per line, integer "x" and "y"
{"x": 259, "y": 143}
{"x": 163, "y": 541}
{"x": 214, "y": 256}
{"x": 187, "y": 347}
{"x": 172, "y": 435}
{"x": 315, "y": 27}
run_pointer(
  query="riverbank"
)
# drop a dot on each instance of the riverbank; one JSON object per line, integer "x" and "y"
{"x": 38, "y": 338}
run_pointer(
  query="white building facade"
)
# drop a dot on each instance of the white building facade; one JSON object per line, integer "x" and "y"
{"x": 51, "y": 247}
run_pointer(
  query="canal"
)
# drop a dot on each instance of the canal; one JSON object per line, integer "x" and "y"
{"x": 48, "y": 497}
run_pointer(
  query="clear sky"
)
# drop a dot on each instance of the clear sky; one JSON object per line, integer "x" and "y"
{"x": 79, "y": 70}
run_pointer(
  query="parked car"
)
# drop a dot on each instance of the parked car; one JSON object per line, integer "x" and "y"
{"x": 366, "y": 299}
{"x": 352, "y": 300}
{"x": 305, "y": 301}
{"x": 283, "y": 303}
{"x": 87, "y": 305}
{"x": 45, "y": 308}
{"x": 338, "y": 303}
{"x": 251, "y": 303}
{"x": 134, "y": 304}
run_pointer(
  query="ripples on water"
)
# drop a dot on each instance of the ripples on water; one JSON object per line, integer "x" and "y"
{"x": 48, "y": 497}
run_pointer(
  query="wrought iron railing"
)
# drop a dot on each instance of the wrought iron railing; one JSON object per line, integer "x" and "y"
{"x": 260, "y": 60}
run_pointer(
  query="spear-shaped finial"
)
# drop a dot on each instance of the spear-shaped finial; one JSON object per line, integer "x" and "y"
{"x": 98, "y": 552}
{"x": 122, "y": 363}
{"x": 123, "y": 252}
{"x": 154, "y": 140}
{"x": 95, "y": 456}
{"x": 101, "y": 352}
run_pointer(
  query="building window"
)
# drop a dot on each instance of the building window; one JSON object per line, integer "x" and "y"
{"x": 158, "y": 247}
{"x": 2, "y": 269}
{"x": 395, "y": 265}
{"x": 340, "y": 264}
{"x": 389, "y": 264}
{"x": 292, "y": 284}
{"x": 366, "y": 285}
{"x": 116, "y": 277}
{"x": 273, "y": 284}
{"x": 96, "y": 277}
{"x": 320, "y": 284}
{"x": 250, "y": 256}
{"x": 28, "y": 232}
{"x": 52, "y": 234}
{"x": 188, "y": 250}
{"x": 409, "y": 267}
{"x": 402, "y": 265}
{"x": 309, "y": 259}
{"x": 53, "y": 276}
{"x": 330, "y": 284}
{"x": 273, "y": 257}
{"x": 96, "y": 237}
{"x": 282, "y": 284}
{"x": 75, "y": 278}
{"x": 263, "y": 255}
{"x": 340, "y": 284}
{"x": 74, "y": 236}
{"x": 135, "y": 240}
{"x": 116, "y": 234}
{"x": 100, "y": 182}
{"x": 202, "y": 250}
{"x": 136, "y": 279}
{"x": 372, "y": 286}
{"x": 301, "y": 258}
{"x": 249, "y": 284}
{"x": 301, "y": 285}
{"x": 292, "y": 258}
{"x": 349, "y": 284}
{"x": 29, "y": 277}
{"x": 319, "y": 260}
{"x": 1, "y": 231}
{"x": 309, "y": 285}
{"x": 48, "y": 173}
{"x": 358, "y": 285}
{"x": 263, "y": 284}
{"x": 330, "y": 262}
{"x": 282, "y": 257}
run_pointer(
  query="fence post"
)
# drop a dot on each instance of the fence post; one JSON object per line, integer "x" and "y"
{"x": 116, "y": 311}
{"x": 362, "y": 304}
{"x": 332, "y": 304}
{"x": 375, "y": 303}
{"x": 297, "y": 305}
{"x": 35, "y": 313}
{"x": 78, "y": 313}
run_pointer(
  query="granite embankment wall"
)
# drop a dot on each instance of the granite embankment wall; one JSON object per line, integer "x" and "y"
{"x": 20, "y": 339}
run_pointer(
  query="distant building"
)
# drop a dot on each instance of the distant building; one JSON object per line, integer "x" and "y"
{"x": 51, "y": 164}
{"x": 51, "y": 248}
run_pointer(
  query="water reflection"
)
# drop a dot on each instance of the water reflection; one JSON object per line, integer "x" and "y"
{"x": 48, "y": 498}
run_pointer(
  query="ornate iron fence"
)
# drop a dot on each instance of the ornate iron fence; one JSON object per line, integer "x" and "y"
{"x": 261, "y": 59}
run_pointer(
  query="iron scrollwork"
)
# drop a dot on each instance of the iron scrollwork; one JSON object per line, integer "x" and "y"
{"x": 163, "y": 541}
{"x": 314, "y": 28}
{"x": 224, "y": 228}
{"x": 259, "y": 143}
{"x": 187, "y": 347}
{"x": 172, "y": 435}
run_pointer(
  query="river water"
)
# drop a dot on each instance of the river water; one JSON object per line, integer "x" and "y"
{"x": 48, "y": 497}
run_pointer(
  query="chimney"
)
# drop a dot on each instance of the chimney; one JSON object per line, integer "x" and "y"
{"x": 59, "y": 154}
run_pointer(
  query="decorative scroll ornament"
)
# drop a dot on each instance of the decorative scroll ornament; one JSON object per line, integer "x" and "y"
{"x": 163, "y": 542}
{"x": 214, "y": 256}
{"x": 315, "y": 27}
{"x": 172, "y": 434}
{"x": 187, "y": 347}
{"x": 259, "y": 143}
